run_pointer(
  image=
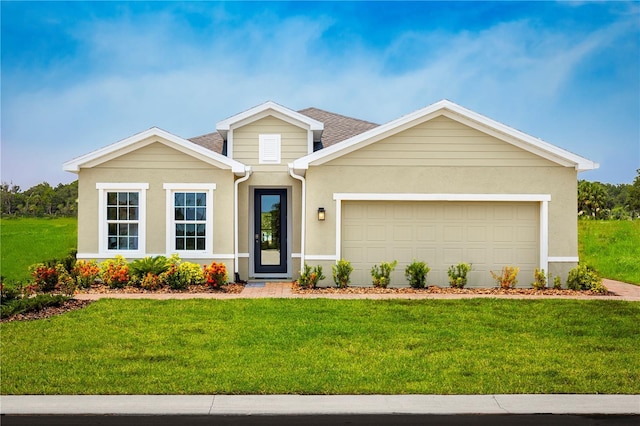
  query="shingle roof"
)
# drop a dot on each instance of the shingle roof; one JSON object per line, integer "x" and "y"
{"x": 337, "y": 128}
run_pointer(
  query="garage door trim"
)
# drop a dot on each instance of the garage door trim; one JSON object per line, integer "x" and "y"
{"x": 543, "y": 199}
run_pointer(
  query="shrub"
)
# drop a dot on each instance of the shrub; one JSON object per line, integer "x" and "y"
{"x": 86, "y": 272}
{"x": 310, "y": 277}
{"x": 539, "y": 279}
{"x": 458, "y": 274}
{"x": 342, "y": 273}
{"x": 45, "y": 277}
{"x": 115, "y": 272}
{"x": 180, "y": 275}
{"x": 140, "y": 268}
{"x": 66, "y": 283}
{"x": 381, "y": 276}
{"x": 215, "y": 275}
{"x": 584, "y": 277}
{"x": 507, "y": 278}
{"x": 416, "y": 273}
{"x": 557, "y": 283}
{"x": 28, "y": 304}
{"x": 192, "y": 273}
{"x": 151, "y": 282}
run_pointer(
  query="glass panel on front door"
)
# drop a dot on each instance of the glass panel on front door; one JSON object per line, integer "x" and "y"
{"x": 270, "y": 231}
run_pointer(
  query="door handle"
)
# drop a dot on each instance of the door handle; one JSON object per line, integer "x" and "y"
{"x": 257, "y": 238}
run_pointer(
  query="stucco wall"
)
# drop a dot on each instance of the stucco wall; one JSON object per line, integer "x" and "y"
{"x": 156, "y": 164}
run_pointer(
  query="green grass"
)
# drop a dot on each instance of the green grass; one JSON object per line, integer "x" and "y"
{"x": 323, "y": 346}
{"x": 612, "y": 247}
{"x": 26, "y": 241}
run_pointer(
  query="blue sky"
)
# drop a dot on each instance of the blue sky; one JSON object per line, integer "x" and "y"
{"x": 77, "y": 76}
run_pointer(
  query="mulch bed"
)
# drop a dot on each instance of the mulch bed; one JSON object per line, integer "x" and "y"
{"x": 447, "y": 290}
{"x": 103, "y": 289}
{"x": 49, "y": 311}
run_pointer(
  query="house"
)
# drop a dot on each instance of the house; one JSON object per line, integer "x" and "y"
{"x": 274, "y": 188}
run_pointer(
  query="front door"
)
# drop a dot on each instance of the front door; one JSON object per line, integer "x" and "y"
{"x": 270, "y": 239}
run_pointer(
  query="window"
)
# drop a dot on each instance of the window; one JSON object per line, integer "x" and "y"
{"x": 122, "y": 217}
{"x": 190, "y": 218}
{"x": 269, "y": 146}
{"x": 123, "y": 221}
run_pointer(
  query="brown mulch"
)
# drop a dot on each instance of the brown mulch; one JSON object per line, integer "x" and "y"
{"x": 49, "y": 311}
{"x": 446, "y": 290}
{"x": 103, "y": 289}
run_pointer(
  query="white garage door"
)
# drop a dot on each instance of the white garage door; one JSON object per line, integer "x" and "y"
{"x": 489, "y": 235}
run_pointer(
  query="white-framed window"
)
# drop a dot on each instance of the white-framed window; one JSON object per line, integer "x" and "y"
{"x": 122, "y": 218}
{"x": 190, "y": 218}
{"x": 269, "y": 149}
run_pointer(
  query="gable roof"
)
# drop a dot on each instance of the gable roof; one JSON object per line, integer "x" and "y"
{"x": 266, "y": 109}
{"x": 337, "y": 128}
{"x": 459, "y": 114}
{"x": 148, "y": 137}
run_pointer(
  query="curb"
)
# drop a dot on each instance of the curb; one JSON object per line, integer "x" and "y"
{"x": 252, "y": 405}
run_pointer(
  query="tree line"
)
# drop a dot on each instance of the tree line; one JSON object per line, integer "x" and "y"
{"x": 606, "y": 201}
{"x": 40, "y": 200}
{"x": 595, "y": 200}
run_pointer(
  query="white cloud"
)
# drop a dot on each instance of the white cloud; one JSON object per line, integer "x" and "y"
{"x": 157, "y": 71}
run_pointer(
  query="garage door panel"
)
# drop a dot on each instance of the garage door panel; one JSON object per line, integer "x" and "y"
{"x": 487, "y": 235}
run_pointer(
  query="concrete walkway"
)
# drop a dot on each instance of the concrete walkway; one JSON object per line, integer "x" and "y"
{"x": 622, "y": 291}
{"x": 225, "y": 405}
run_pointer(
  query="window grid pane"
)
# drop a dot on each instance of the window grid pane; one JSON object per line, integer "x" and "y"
{"x": 190, "y": 220}
{"x": 122, "y": 220}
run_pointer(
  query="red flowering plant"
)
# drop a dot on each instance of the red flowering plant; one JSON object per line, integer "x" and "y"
{"x": 45, "y": 277}
{"x": 86, "y": 271}
{"x": 215, "y": 275}
{"x": 115, "y": 272}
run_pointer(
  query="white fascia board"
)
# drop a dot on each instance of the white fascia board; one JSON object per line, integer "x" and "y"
{"x": 144, "y": 138}
{"x": 357, "y": 196}
{"x": 265, "y": 109}
{"x": 460, "y": 114}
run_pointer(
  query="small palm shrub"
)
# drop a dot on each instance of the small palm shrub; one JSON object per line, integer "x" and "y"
{"x": 584, "y": 277}
{"x": 310, "y": 277}
{"x": 115, "y": 272}
{"x": 458, "y": 274}
{"x": 140, "y": 268}
{"x": 507, "y": 278}
{"x": 416, "y": 273}
{"x": 215, "y": 274}
{"x": 539, "y": 279}
{"x": 342, "y": 273}
{"x": 381, "y": 276}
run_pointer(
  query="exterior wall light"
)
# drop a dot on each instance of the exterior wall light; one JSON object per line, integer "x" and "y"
{"x": 320, "y": 213}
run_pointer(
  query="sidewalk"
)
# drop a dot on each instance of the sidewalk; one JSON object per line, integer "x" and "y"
{"x": 622, "y": 291}
{"x": 252, "y": 405}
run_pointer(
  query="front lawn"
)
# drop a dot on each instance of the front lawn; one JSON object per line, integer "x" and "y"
{"x": 273, "y": 346}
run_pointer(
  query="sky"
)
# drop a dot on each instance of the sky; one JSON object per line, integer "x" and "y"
{"x": 77, "y": 76}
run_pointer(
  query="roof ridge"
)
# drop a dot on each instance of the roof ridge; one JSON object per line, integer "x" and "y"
{"x": 336, "y": 113}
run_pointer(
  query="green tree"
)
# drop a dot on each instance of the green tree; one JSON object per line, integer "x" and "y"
{"x": 634, "y": 196}
{"x": 592, "y": 200}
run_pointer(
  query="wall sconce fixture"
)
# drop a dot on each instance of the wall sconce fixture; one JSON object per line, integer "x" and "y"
{"x": 320, "y": 213}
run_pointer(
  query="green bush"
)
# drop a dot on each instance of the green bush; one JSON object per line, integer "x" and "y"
{"x": 140, "y": 268}
{"x": 539, "y": 279}
{"x": 381, "y": 276}
{"x": 310, "y": 277}
{"x": 342, "y": 273}
{"x": 458, "y": 274}
{"x": 584, "y": 277}
{"x": 416, "y": 273}
{"x": 29, "y": 304}
{"x": 557, "y": 283}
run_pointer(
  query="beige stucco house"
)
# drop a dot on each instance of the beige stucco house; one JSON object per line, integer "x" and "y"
{"x": 273, "y": 188}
